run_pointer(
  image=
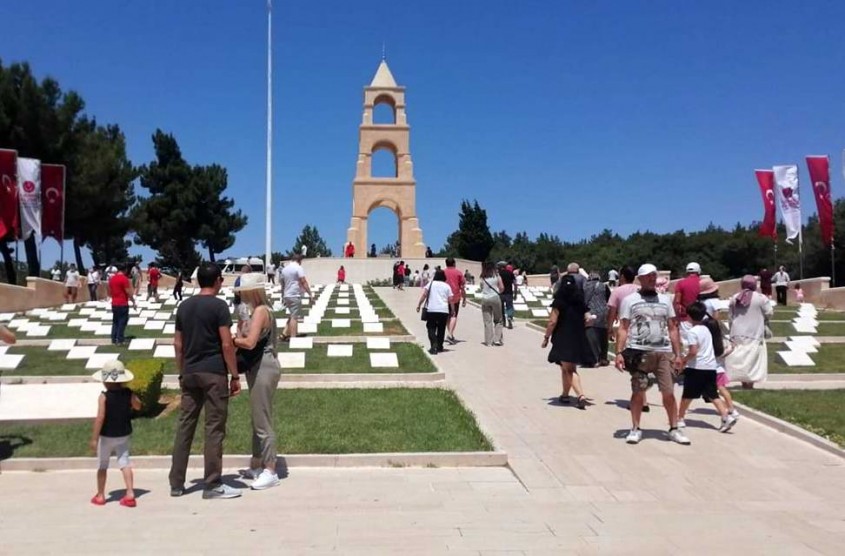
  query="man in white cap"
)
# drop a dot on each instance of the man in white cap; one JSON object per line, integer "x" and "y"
{"x": 648, "y": 342}
{"x": 686, "y": 292}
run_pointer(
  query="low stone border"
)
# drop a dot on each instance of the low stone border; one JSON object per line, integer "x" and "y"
{"x": 410, "y": 459}
{"x": 805, "y": 377}
{"x": 172, "y": 381}
{"x": 166, "y": 341}
{"x": 791, "y": 430}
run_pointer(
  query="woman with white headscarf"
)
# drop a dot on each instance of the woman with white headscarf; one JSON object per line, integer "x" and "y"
{"x": 749, "y": 311}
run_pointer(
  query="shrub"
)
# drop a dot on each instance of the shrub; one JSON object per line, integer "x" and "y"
{"x": 147, "y": 383}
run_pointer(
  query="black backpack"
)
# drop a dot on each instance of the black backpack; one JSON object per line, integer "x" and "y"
{"x": 716, "y": 333}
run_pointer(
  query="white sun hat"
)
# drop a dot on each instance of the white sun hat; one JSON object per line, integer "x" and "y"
{"x": 113, "y": 371}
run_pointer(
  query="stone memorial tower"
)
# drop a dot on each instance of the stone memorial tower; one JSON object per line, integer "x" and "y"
{"x": 398, "y": 193}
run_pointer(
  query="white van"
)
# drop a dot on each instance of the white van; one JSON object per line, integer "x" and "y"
{"x": 234, "y": 266}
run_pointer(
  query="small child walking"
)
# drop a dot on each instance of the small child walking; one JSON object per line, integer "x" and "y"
{"x": 701, "y": 368}
{"x": 799, "y": 293}
{"x": 113, "y": 427}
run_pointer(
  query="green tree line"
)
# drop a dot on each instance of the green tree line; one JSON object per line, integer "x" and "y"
{"x": 183, "y": 205}
{"x": 722, "y": 253}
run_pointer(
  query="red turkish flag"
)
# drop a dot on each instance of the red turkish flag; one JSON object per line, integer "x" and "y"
{"x": 52, "y": 201}
{"x": 819, "y": 167}
{"x": 766, "y": 180}
{"x": 9, "y": 215}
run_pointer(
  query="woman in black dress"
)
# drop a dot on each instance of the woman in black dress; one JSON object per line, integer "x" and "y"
{"x": 566, "y": 329}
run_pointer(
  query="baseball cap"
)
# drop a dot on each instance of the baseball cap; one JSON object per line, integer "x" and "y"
{"x": 646, "y": 269}
{"x": 251, "y": 281}
{"x": 694, "y": 267}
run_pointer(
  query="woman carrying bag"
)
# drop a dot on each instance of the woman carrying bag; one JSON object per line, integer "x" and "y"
{"x": 491, "y": 304}
{"x": 435, "y": 302}
{"x": 256, "y": 356}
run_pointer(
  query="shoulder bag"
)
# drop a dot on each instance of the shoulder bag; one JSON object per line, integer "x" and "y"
{"x": 424, "y": 312}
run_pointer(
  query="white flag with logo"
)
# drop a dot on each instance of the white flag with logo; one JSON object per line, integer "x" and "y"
{"x": 29, "y": 193}
{"x": 786, "y": 180}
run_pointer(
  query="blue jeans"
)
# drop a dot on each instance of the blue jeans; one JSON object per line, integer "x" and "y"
{"x": 507, "y": 305}
{"x": 119, "y": 320}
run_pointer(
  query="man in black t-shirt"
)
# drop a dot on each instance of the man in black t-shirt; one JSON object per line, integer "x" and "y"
{"x": 204, "y": 354}
{"x": 508, "y": 279}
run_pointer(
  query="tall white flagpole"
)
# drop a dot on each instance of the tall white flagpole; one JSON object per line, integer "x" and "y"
{"x": 268, "y": 211}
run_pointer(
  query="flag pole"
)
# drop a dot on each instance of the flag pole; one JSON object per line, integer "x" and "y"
{"x": 832, "y": 265}
{"x": 268, "y": 211}
{"x": 801, "y": 251}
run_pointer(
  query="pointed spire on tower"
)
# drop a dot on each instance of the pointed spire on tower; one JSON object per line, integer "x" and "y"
{"x": 383, "y": 77}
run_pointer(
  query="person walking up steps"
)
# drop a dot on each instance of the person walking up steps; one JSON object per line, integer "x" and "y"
{"x": 293, "y": 285}
{"x": 112, "y": 429}
{"x": 436, "y": 299}
{"x": 456, "y": 281}
{"x": 491, "y": 304}
{"x": 781, "y": 279}
{"x": 648, "y": 331}
{"x": 508, "y": 281}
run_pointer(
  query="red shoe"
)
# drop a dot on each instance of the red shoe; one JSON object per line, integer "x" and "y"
{"x": 98, "y": 500}
{"x": 128, "y": 502}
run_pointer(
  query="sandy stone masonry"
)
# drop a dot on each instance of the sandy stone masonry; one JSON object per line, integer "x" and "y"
{"x": 397, "y": 193}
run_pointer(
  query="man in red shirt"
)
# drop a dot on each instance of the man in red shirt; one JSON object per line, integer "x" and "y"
{"x": 154, "y": 276}
{"x": 456, "y": 281}
{"x": 686, "y": 291}
{"x": 120, "y": 290}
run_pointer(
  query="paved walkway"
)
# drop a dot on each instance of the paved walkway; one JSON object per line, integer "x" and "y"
{"x": 574, "y": 486}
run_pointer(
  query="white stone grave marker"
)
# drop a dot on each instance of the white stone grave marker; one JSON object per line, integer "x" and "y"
{"x": 382, "y": 360}
{"x": 81, "y": 352}
{"x": 796, "y": 359}
{"x": 306, "y": 328}
{"x": 61, "y": 345}
{"x": 373, "y": 328}
{"x": 292, "y": 360}
{"x": 168, "y": 352}
{"x": 339, "y": 350}
{"x": 154, "y": 325}
{"x": 341, "y": 323}
{"x": 803, "y": 347}
{"x": 301, "y": 343}
{"x": 97, "y": 360}
{"x": 142, "y": 344}
{"x": 378, "y": 343}
{"x": 10, "y": 362}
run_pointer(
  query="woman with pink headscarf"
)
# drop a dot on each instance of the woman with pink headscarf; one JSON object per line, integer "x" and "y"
{"x": 749, "y": 310}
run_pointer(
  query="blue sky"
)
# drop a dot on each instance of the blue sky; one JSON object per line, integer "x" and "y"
{"x": 560, "y": 117}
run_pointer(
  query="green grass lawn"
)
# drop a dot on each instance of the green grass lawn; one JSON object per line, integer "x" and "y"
{"x": 333, "y": 421}
{"x": 40, "y": 362}
{"x": 390, "y": 328}
{"x": 819, "y": 411}
{"x": 411, "y": 358}
{"x": 63, "y": 331}
{"x": 782, "y": 329}
{"x": 829, "y": 359}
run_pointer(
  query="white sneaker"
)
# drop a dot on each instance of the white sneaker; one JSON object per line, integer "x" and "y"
{"x": 734, "y": 414}
{"x": 634, "y": 436}
{"x": 251, "y": 473}
{"x": 682, "y": 424}
{"x": 220, "y": 492}
{"x": 675, "y": 435}
{"x": 267, "y": 479}
{"x": 727, "y": 423}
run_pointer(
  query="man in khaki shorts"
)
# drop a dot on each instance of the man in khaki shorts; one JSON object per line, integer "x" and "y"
{"x": 648, "y": 342}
